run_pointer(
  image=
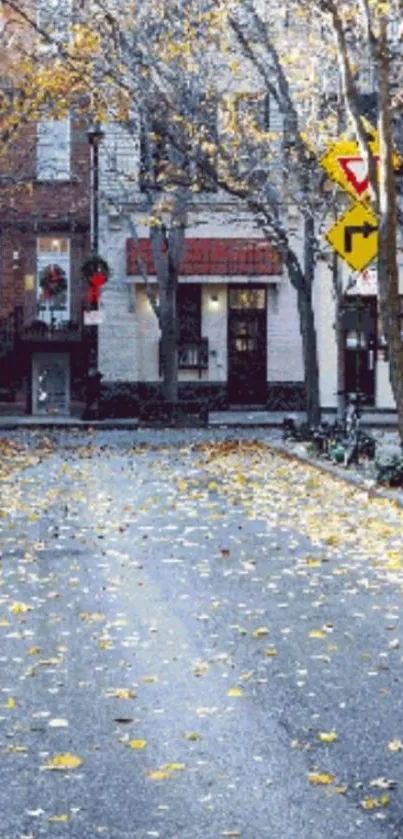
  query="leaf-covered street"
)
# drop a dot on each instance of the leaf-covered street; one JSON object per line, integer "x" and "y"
{"x": 199, "y": 638}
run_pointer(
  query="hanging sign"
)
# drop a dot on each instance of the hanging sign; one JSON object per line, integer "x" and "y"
{"x": 95, "y": 318}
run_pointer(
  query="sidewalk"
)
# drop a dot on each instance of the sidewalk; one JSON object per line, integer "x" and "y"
{"x": 240, "y": 419}
{"x": 371, "y": 419}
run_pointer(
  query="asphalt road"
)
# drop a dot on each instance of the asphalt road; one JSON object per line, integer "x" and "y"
{"x": 196, "y": 646}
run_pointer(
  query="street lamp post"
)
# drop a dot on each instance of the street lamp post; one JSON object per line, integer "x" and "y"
{"x": 95, "y": 135}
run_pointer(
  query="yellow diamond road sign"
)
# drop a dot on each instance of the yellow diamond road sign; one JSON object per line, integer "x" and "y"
{"x": 355, "y": 237}
{"x": 344, "y": 164}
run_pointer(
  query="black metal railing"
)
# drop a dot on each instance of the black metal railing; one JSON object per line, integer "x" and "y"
{"x": 16, "y": 327}
{"x": 192, "y": 355}
{"x": 38, "y": 330}
{"x": 10, "y": 326}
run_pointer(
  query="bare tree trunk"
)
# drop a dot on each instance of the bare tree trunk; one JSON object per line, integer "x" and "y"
{"x": 308, "y": 329}
{"x": 168, "y": 248}
{"x": 388, "y": 275}
{"x": 308, "y": 336}
{"x": 169, "y": 353}
{"x": 309, "y": 349}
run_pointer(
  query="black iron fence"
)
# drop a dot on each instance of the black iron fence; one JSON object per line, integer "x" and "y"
{"x": 192, "y": 355}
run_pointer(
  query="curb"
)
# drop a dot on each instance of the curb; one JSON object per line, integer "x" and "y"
{"x": 110, "y": 424}
{"x": 352, "y": 479}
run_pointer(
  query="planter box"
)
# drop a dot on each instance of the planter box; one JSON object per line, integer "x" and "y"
{"x": 182, "y": 413}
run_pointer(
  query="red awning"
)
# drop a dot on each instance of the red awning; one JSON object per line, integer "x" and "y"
{"x": 222, "y": 257}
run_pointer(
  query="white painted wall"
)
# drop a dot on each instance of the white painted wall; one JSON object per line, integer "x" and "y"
{"x": 384, "y": 395}
{"x": 148, "y": 336}
{"x": 214, "y": 327}
{"x": 117, "y": 337}
{"x": 284, "y": 346}
{"x": 324, "y": 308}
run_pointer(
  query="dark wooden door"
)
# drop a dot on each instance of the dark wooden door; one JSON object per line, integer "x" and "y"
{"x": 247, "y": 346}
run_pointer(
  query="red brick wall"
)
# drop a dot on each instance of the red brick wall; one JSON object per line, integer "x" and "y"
{"x": 222, "y": 257}
{"x": 28, "y": 209}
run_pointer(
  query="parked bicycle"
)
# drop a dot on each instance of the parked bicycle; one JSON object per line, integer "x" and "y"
{"x": 342, "y": 440}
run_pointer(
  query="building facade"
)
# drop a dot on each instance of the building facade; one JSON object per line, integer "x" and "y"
{"x": 363, "y": 355}
{"x": 239, "y": 341}
{"x": 44, "y": 227}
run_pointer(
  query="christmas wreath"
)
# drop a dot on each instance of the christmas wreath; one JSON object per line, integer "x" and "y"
{"x": 52, "y": 281}
{"x": 96, "y": 272}
{"x": 95, "y": 264}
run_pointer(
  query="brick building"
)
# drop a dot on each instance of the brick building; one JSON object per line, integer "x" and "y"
{"x": 44, "y": 221}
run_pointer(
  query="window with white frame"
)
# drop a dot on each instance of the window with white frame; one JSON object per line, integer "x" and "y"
{"x": 119, "y": 157}
{"x": 53, "y": 252}
{"x": 53, "y": 148}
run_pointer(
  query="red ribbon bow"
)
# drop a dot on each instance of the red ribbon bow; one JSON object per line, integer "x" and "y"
{"x": 94, "y": 292}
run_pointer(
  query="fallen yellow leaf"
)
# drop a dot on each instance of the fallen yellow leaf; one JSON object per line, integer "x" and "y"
{"x": 234, "y": 692}
{"x": 271, "y": 651}
{"x": 64, "y": 761}
{"x": 33, "y": 651}
{"x": 122, "y": 693}
{"x": 105, "y": 644}
{"x": 395, "y": 746}
{"x": 136, "y": 744}
{"x": 62, "y": 818}
{"x": 182, "y": 485}
{"x": 173, "y": 767}
{"x": 91, "y": 617}
{"x": 158, "y": 775}
{"x": 320, "y": 778}
{"x": 244, "y": 677}
{"x": 149, "y": 679}
{"x": 192, "y": 736}
{"x": 369, "y": 803}
{"x": 327, "y": 736}
{"x": 11, "y": 703}
{"x": 20, "y": 608}
{"x": 260, "y": 632}
{"x": 317, "y": 633}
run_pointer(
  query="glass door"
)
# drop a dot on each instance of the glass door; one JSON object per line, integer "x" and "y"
{"x": 50, "y": 383}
